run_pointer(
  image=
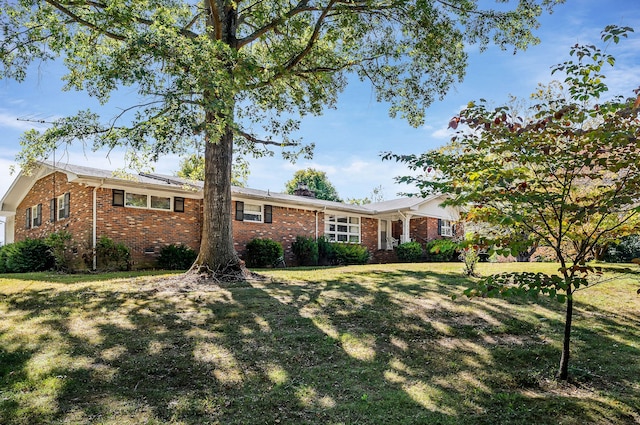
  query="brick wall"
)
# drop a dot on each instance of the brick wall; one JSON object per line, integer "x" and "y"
{"x": 287, "y": 223}
{"x": 369, "y": 233}
{"x": 144, "y": 231}
{"x": 80, "y": 210}
{"x": 423, "y": 229}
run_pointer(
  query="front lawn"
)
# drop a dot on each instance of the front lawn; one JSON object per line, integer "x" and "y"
{"x": 377, "y": 344}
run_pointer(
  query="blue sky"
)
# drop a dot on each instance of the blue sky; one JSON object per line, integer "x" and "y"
{"x": 349, "y": 139}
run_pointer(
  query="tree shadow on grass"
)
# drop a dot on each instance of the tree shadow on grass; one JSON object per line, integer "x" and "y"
{"x": 364, "y": 348}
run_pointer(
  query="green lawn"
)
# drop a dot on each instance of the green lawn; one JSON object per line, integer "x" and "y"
{"x": 378, "y": 344}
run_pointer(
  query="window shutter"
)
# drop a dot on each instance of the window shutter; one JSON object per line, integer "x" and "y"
{"x": 268, "y": 214}
{"x": 239, "y": 210}
{"x": 53, "y": 210}
{"x": 439, "y": 227}
{"x": 67, "y": 197}
{"x": 28, "y": 219}
{"x": 39, "y": 217}
{"x": 117, "y": 198}
{"x": 178, "y": 204}
{"x": 453, "y": 230}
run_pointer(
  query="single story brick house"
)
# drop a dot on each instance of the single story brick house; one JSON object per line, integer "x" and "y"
{"x": 149, "y": 211}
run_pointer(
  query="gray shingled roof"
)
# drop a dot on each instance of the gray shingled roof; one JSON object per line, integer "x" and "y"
{"x": 162, "y": 181}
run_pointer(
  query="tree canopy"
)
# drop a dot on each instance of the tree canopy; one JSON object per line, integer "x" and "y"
{"x": 192, "y": 167}
{"x": 316, "y": 181}
{"x": 234, "y": 74}
{"x": 565, "y": 176}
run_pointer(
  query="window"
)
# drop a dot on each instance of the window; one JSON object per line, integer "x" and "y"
{"x": 36, "y": 215}
{"x": 160, "y": 203}
{"x": 63, "y": 206}
{"x": 135, "y": 200}
{"x": 254, "y": 212}
{"x": 342, "y": 228}
{"x": 445, "y": 228}
{"x": 139, "y": 200}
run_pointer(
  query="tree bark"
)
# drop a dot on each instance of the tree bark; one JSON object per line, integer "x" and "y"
{"x": 563, "y": 371}
{"x": 217, "y": 253}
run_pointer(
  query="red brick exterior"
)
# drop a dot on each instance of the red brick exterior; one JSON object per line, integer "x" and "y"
{"x": 369, "y": 233}
{"x": 287, "y": 223}
{"x": 146, "y": 231}
{"x": 424, "y": 229}
{"x": 142, "y": 230}
{"x": 80, "y": 206}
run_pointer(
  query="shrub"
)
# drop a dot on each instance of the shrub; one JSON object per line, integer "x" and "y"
{"x": 306, "y": 250}
{"x": 112, "y": 256}
{"x": 176, "y": 257}
{"x": 624, "y": 251}
{"x": 61, "y": 246}
{"x": 263, "y": 252}
{"x": 349, "y": 253}
{"x": 409, "y": 252}
{"x": 470, "y": 256}
{"x": 29, "y": 255}
{"x": 441, "y": 250}
{"x": 3, "y": 259}
{"x": 325, "y": 251}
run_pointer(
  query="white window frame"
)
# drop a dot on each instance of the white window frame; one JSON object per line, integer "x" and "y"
{"x": 148, "y": 197}
{"x": 446, "y": 228}
{"x": 258, "y": 214}
{"x": 126, "y": 200}
{"x": 169, "y": 198}
{"x": 34, "y": 217}
{"x": 334, "y": 224}
{"x": 60, "y": 208}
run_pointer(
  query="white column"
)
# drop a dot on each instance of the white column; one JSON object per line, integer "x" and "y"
{"x": 9, "y": 229}
{"x": 406, "y": 219}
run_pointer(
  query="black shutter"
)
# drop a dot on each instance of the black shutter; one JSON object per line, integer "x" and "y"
{"x": 39, "y": 217}
{"x": 268, "y": 214}
{"x": 67, "y": 197}
{"x": 439, "y": 227}
{"x": 28, "y": 219}
{"x": 53, "y": 210}
{"x": 239, "y": 210}
{"x": 178, "y": 204}
{"x": 117, "y": 198}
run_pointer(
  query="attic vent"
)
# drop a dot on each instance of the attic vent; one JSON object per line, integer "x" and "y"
{"x": 303, "y": 190}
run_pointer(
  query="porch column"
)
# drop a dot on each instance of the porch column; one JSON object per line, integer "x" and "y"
{"x": 405, "y": 237}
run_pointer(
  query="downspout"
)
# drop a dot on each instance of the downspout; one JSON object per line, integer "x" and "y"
{"x": 316, "y": 232}
{"x": 94, "y": 226}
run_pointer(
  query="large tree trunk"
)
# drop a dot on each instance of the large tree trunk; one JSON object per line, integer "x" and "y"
{"x": 563, "y": 371}
{"x": 217, "y": 253}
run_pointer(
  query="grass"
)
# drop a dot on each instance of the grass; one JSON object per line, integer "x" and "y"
{"x": 368, "y": 345}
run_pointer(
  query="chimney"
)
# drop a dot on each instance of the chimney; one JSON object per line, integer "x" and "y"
{"x": 303, "y": 190}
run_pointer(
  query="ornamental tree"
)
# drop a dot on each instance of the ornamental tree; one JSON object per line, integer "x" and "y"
{"x": 224, "y": 74}
{"x": 566, "y": 176}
